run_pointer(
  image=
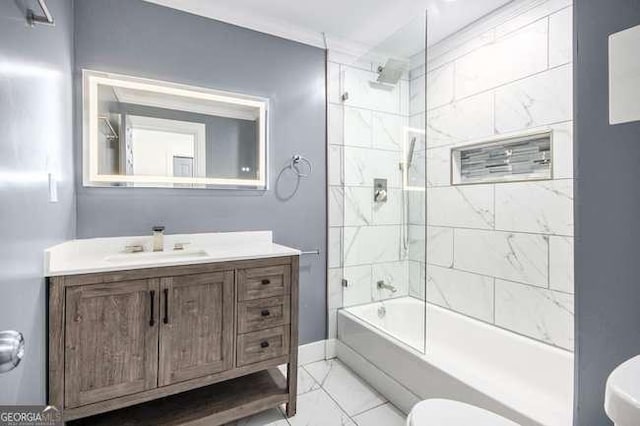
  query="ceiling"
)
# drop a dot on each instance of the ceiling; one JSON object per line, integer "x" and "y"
{"x": 391, "y": 26}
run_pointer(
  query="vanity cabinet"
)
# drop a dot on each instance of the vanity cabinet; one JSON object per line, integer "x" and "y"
{"x": 196, "y": 326}
{"x": 111, "y": 348}
{"x": 211, "y": 334}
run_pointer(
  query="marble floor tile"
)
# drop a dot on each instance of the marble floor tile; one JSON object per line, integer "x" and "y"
{"x": 273, "y": 417}
{"x": 384, "y": 415}
{"x": 316, "y": 408}
{"x": 344, "y": 386}
{"x": 306, "y": 383}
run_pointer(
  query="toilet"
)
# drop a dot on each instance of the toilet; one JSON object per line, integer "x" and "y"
{"x": 444, "y": 412}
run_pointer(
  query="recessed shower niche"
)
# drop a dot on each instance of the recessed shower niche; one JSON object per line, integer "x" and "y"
{"x": 505, "y": 159}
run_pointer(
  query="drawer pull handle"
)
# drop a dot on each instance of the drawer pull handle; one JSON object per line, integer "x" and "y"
{"x": 152, "y": 320}
{"x": 264, "y": 344}
{"x": 265, "y": 313}
{"x": 266, "y": 282}
{"x": 166, "y": 306}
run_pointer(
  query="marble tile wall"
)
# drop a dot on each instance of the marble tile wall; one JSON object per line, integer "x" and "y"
{"x": 501, "y": 253}
{"x": 366, "y": 238}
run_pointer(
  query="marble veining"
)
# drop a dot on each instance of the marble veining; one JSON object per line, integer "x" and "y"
{"x": 440, "y": 246}
{"x": 539, "y": 313}
{"x": 359, "y": 289}
{"x": 511, "y": 256}
{"x": 335, "y": 165}
{"x": 561, "y": 264}
{"x": 358, "y": 206}
{"x": 544, "y": 98}
{"x": 336, "y": 206}
{"x": 438, "y": 166}
{"x": 334, "y": 288}
{"x": 463, "y": 292}
{"x": 345, "y": 386}
{"x": 560, "y": 37}
{"x": 461, "y": 122}
{"x": 512, "y": 57}
{"x": 389, "y": 212}
{"x": 461, "y": 206}
{"x": 362, "y": 166}
{"x": 358, "y": 127}
{"x": 544, "y": 207}
{"x": 336, "y": 124}
{"x": 440, "y": 83}
{"x": 417, "y": 279}
{"x": 392, "y": 273}
{"x": 388, "y": 131}
{"x": 316, "y": 408}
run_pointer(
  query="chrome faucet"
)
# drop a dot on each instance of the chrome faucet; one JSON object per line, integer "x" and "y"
{"x": 384, "y": 286}
{"x": 158, "y": 238}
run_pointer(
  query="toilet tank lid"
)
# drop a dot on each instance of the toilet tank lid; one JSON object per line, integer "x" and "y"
{"x": 444, "y": 412}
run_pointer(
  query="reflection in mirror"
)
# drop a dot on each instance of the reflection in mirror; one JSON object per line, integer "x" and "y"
{"x": 149, "y": 133}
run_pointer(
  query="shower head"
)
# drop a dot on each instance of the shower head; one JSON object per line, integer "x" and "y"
{"x": 412, "y": 147}
{"x": 391, "y": 72}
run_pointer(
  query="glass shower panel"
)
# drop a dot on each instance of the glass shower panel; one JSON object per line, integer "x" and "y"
{"x": 499, "y": 170}
{"x": 383, "y": 157}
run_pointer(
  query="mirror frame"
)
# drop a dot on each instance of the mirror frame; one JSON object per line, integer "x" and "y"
{"x": 91, "y": 177}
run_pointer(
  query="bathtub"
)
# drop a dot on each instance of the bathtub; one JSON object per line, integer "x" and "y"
{"x": 466, "y": 360}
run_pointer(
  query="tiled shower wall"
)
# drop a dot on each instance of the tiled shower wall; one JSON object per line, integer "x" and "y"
{"x": 501, "y": 253}
{"x": 365, "y": 143}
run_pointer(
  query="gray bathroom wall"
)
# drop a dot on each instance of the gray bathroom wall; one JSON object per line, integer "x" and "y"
{"x": 145, "y": 40}
{"x": 35, "y": 139}
{"x": 607, "y": 194}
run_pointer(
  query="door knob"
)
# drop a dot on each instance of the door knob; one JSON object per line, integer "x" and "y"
{"x": 11, "y": 350}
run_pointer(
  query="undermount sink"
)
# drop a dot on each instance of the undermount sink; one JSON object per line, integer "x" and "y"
{"x": 156, "y": 256}
{"x": 622, "y": 395}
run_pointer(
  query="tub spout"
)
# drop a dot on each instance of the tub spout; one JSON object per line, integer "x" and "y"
{"x": 384, "y": 286}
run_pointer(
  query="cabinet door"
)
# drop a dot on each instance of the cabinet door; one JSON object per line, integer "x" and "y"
{"x": 111, "y": 340}
{"x": 196, "y": 330}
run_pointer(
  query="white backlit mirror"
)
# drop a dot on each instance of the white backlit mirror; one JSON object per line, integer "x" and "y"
{"x": 148, "y": 133}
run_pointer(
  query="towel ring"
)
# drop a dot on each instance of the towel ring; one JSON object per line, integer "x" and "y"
{"x": 299, "y": 163}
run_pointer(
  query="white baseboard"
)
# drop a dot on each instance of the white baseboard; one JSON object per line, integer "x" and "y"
{"x": 316, "y": 351}
{"x": 311, "y": 352}
{"x": 330, "y": 348}
{"x": 391, "y": 389}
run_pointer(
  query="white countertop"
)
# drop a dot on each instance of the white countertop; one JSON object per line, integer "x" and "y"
{"x": 108, "y": 254}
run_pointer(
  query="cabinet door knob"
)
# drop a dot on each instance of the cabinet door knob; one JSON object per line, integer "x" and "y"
{"x": 264, "y": 344}
{"x": 266, "y": 282}
{"x": 265, "y": 313}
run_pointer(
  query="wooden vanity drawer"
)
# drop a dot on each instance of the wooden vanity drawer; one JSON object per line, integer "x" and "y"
{"x": 263, "y": 345}
{"x": 259, "y": 314}
{"x": 260, "y": 283}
